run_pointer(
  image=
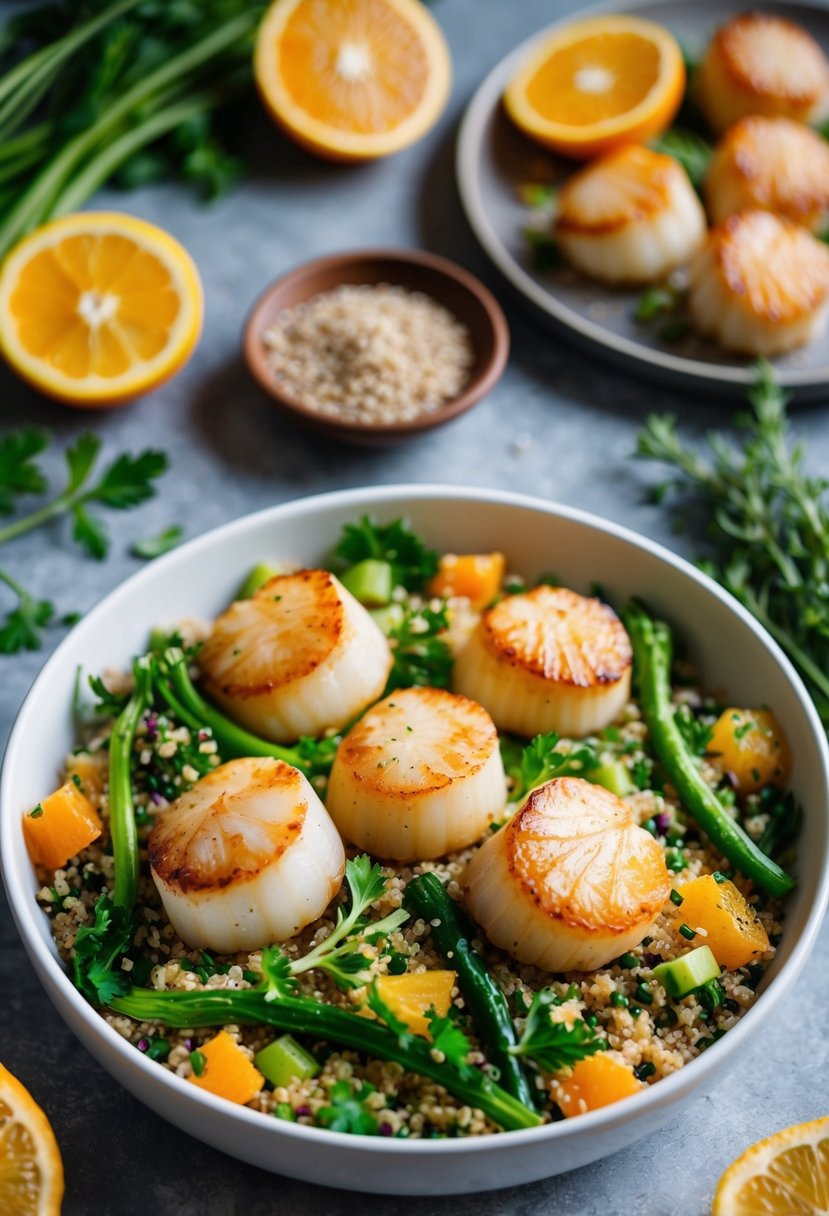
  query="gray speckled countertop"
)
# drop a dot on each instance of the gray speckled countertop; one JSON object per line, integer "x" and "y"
{"x": 560, "y": 425}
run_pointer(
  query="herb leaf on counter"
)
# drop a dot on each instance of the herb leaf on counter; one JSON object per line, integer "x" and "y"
{"x": 21, "y": 628}
{"x": 157, "y": 546}
{"x": 18, "y": 472}
{"x": 765, "y": 520}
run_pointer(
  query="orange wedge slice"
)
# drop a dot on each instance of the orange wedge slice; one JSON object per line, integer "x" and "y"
{"x": 98, "y": 308}
{"x": 31, "y": 1171}
{"x": 597, "y": 84}
{"x": 352, "y": 79}
{"x": 786, "y": 1174}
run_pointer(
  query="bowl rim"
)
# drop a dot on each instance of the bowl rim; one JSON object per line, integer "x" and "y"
{"x": 470, "y": 395}
{"x": 670, "y": 1089}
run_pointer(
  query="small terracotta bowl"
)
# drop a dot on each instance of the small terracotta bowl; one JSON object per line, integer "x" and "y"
{"x": 457, "y": 290}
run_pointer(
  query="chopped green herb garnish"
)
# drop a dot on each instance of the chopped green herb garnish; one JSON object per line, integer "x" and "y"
{"x": 412, "y": 562}
{"x": 675, "y": 897}
{"x": 687, "y": 932}
{"x": 644, "y": 1070}
{"x": 36, "y": 812}
{"x": 198, "y": 1062}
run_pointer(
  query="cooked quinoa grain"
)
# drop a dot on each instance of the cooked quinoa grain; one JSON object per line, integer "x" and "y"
{"x": 370, "y": 354}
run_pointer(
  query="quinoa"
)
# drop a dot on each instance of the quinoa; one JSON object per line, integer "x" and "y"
{"x": 373, "y": 354}
{"x": 655, "y": 1038}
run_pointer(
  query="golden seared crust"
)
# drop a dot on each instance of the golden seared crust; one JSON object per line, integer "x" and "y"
{"x": 626, "y": 187}
{"x": 773, "y": 164}
{"x": 417, "y": 741}
{"x": 774, "y": 266}
{"x": 773, "y": 59}
{"x": 578, "y": 853}
{"x": 282, "y": 634}
{"x": 219, "y": 832}
{"x": 559, "y": 635}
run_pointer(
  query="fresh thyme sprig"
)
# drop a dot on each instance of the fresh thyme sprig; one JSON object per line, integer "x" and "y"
{"x": 766, "y": 523}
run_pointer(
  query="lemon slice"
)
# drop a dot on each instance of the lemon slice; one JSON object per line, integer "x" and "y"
{"x": 786, "y": 1174}
{"x": 31, "y": 1170}
{"x": 98, "y": 308}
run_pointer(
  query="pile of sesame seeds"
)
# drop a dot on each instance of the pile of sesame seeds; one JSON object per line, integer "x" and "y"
{"x": 370, "y": 354}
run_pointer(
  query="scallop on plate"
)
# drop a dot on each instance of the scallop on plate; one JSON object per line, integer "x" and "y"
{"x": 319, "y": 786}
{"x": 614, "y": 239}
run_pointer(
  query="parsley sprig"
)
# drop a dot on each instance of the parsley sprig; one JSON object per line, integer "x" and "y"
{"x": 540, "y": 760}
{"x": 421, "y": 654}
{"x": 124, "y": 483}
{"x": 766, "y": 523}
{"x": 413, "y": 563}
{"x": 554, "y": 1045}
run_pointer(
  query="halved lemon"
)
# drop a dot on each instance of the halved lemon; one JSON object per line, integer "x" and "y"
{"x": 31, "y": 1170}
{"x": 596, "y": 84}
{"x": 352, "y": 79}
{"x": 786, "y": 1174}
{"x": 97, "y": 308}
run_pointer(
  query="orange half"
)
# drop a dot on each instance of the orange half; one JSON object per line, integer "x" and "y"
{"x": 97, "y": 308}
{"x": 594, "y": 85}
{"x": 31, "y": 1170}
{"x": 352, "y": 79}
{"x": 786, "y": 1174}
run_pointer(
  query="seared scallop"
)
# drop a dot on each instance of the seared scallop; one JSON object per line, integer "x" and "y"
{"x": 760, "y": 285}
{"x": 546, "y": 660}
{"x": 247, "y": 857}
{"x": 770, "y": 164}
{"x": 762, "y": 64}
{"x": 570, "y": 882}
{"x": 299, "y": 657}
{"x": 630, "y": 217}
{"x": 419, "y": 776}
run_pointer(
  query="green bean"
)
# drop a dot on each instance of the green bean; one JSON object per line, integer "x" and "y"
{"x": 121, "y": 804}
{"x": 426, "y": 896}
{"x": 651, "y": 641}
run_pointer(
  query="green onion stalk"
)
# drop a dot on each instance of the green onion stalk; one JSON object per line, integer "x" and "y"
{"x": 303, "y": 1015}
{"x": 652, "y": 652}
{"x": 121, "y": 803}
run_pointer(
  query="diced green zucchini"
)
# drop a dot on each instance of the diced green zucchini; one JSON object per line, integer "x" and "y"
{"x": 614, "y": 776}
{"x": 682, "y": 975}
{"x": 284, "y": 1060}
{"x": 389, "y": 618}
{"x": 257, "y": 578}
{"x": 370, "y": 581}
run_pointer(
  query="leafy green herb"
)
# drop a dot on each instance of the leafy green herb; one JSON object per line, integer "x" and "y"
{"x": 540, "y": 760}
{"x": 766, "y": 524}
{"x": 412, "y": 562}
{"x": 97, "y": 947}
{"x": 347, "y": 1110}
{"x": 421, "y": 655}
{"x": 654, "y": 302}
{"x": 342, "y": 954}
{"x": 125, "y": 88}
{"x": 21, "y": 629}
{"x": 691, "y": 150}
{"x": 554, "y": 1045}
{"x": 157, "y": 546}
{"x": 109, "y": 704}
{"x": 18, "y": 472}
{"x": 36, "y": 812}
{"x": 449, "y": 1040}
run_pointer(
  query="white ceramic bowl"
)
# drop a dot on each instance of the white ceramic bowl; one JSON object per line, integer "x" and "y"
{"x": 733, "y": 654}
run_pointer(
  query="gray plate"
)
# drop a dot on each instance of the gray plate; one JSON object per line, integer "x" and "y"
{"x": 493, "y": 158}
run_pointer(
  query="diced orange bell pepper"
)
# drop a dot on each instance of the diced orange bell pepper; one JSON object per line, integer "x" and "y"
{"x": 60, "y": 826}
{"x": 595, "y": 1081}
{"x": 731, "y": 927}
{"x": 225, "y": 1070}
{"x": 749, "y": 744}
{"x": 478, "y": 576}
{"x": 411, "y": 996}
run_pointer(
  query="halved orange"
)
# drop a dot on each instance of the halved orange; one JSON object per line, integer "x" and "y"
{"x": 31, "y": 1170}
{"x": 594, "y": 85}
{"x": 352, "y": 79}
{"x": 97, "y": 308}
{"x": 786, "y": 1174}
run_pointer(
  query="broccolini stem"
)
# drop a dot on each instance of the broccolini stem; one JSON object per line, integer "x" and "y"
{"x": 651, "y": 641}
{"x": 186, "y": 702}
{"x": 303, "y": 1015}
{"x": 426, "y": 896}
{"x": 121, "y": 805}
